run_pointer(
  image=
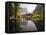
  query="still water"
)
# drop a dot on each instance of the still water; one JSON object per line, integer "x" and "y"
{"x": 28, "y": 25}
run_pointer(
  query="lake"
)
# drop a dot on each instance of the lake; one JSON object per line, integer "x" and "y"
{"x": 28, "y": 25}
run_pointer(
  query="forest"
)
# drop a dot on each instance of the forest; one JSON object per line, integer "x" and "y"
{"x": 15, "y": 17}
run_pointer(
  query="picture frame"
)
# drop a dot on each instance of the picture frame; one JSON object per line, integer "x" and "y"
{"x": 13, "y": 20}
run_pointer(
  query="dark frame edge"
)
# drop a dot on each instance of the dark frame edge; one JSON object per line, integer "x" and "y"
{"x": 6, "y": 13}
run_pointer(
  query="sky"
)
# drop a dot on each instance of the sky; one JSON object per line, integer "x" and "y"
{"x": 30, "y": 7}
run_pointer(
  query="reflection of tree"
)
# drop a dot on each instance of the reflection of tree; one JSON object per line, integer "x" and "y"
{"x": 13, "y": 15}
{"x": 16, "y": 23}
{"x": 37, "y": 16}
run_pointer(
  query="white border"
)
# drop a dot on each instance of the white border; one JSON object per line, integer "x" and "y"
{"x": 2, "y": 17}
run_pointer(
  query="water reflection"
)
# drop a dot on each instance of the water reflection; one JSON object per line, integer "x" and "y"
{"x": 28, "y": 25}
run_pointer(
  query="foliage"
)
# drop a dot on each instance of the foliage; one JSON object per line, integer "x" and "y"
{"x": 38, "y": 13}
